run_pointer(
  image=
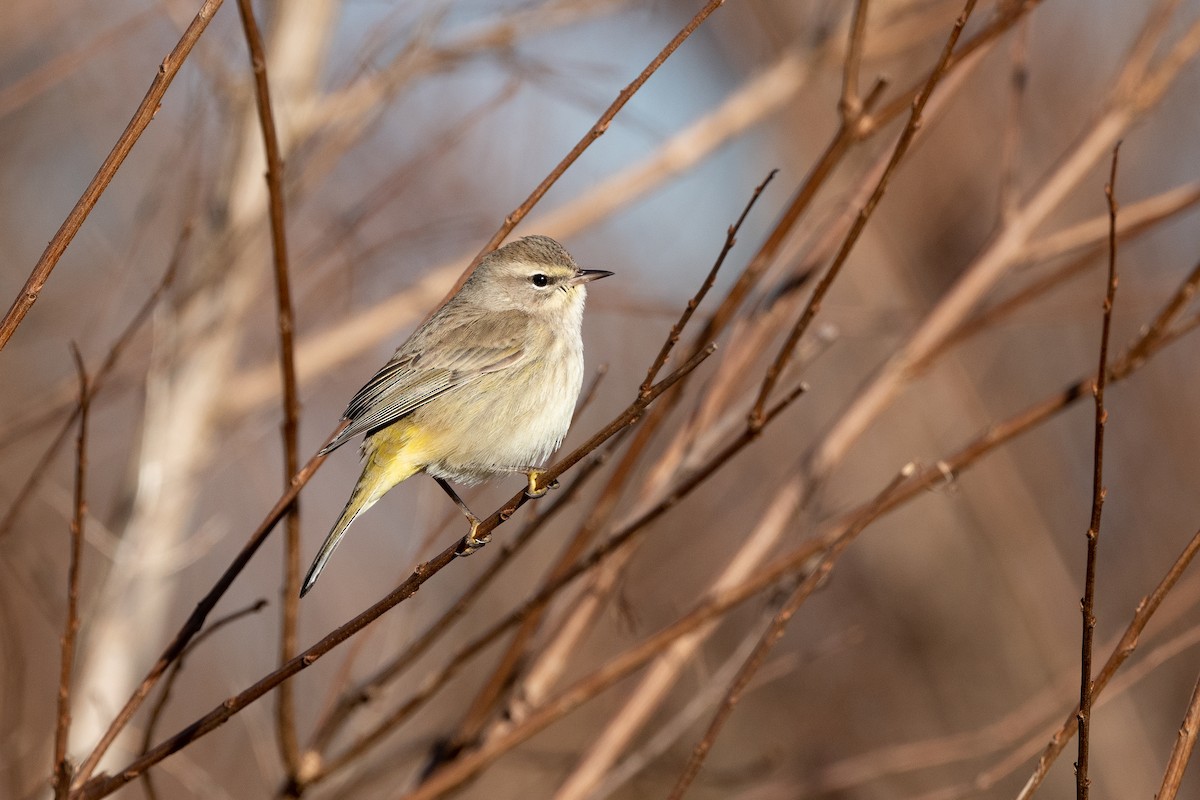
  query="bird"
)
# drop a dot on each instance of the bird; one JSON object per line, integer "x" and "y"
{"x": 487, "y": 386}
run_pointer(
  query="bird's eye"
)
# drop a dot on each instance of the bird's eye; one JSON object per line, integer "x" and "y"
{"x": 540, "y": 280}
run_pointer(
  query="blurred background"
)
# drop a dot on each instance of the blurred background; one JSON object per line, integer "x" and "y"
{"x": 942, "y": 651}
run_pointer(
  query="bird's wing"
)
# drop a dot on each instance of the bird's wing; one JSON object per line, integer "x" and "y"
{"x": 435, "y": 360}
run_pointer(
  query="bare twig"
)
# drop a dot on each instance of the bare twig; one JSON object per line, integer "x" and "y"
{"x": 785, "y": 352}
{"x": 851, "y": 105}
{"x": 1181, "y": 753}
{"x": 677, "y": 329}
{"x": 164, "y": 696}
{"x": 141, "y": 119}
{"x": 62, "y": 766}
{"x": 1128, "y": 643}
{"x": 98, "y": 380}
{"x": 1088, "y": 604}
{"x": 594, "y": 133}
{"x": 285, "y": 709}
{"x": 774, "y": 631}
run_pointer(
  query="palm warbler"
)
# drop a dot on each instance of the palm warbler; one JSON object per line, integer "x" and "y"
{"x": 486, "y": 386}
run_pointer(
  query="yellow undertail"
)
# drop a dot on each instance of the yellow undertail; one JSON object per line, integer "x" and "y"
{"x": 392, "y": 456}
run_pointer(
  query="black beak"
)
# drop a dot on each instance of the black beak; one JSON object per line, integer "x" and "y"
{"x": 588, "y": 275}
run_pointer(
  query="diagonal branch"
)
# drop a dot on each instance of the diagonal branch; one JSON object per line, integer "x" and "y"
{"x": 137, "y": 125}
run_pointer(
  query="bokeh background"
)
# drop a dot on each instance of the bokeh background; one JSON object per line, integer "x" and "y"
{"x": 944, "y": 648}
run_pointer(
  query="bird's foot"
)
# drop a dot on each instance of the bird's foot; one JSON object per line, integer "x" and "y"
{"x": 473, "y": 541}
{"x": 532, "y": 491}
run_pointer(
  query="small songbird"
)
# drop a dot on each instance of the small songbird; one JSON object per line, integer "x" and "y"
{"x": 486, "y": 386}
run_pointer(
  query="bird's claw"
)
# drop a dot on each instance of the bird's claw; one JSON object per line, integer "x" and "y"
{"x": 473, "y": 541}
{"x": 533, "y": 492}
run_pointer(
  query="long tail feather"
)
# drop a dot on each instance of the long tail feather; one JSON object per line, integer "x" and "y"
{"x": 360, "y": 500}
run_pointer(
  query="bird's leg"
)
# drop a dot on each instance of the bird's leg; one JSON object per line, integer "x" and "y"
{"x": 473, "y": 542}
{"x": 532, "y": 491}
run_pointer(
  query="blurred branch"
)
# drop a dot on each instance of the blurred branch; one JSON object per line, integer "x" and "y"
{"x": 996, "y": 258}
{"x": 286, "y": 707}
{"x": 774, "y": 632}
{"x": 1153, "y": 210}
{"x": 56, "y": 70}
{"x": 1017, "y": 82}
{"x": 141, "y": 119}
{"x": 596, "y": 131}
{"x": 164, "y": 696}
{"x": 785, "y": 352}
{"x": 33, "y": 479}
{"x": 1181, "y": 753}
{"x": 62, "y": 766}
{"x": 1123, "y": 650}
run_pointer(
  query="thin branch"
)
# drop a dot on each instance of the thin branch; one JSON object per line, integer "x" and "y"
{"x": 62, "y": 766}
{"x": 774, "y": 632}
{"x": 1181, "y": 753}
{"x": 677, "y": 329}
{"x": 1017, "y": 81}
{"x": 592, "y": 135}
{"x": 164, "y": 696}
{"x": 98, "y": 380}
{"x": 1088, "y": 604}
{"x": 1128, "y": 643}
{"x": 141, "y": 119}
{"x": 906, "y": 136}
{"x": 851, "y": 105}
{"x": 285, "y": 710}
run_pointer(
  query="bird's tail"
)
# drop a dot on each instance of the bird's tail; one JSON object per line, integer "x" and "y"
{"x": 372, "y": 485}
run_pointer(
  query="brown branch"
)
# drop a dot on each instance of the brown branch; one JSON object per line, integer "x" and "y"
{"x": 1181, "y": 753}
{"x": 1088, "y": 604}
{"x": 51, "y": 73}
{"x": 141, "y": 119}
{"x": 851, "y": 104}
{"x": 596, "y": 131}
{"x": 694, "y": 303}
{"x": 62, "y": 766}
{"x": 285, "y": 710}
{"x": 774, "y": 632}
{"x": 106, "y": 784}
{"x": 1017, "y": 81}
{"x": 100, "y": 377}
{"x": 785, "y": 353}
{"x": 1128, "y": 643}
{"x": 164, "y": 696}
